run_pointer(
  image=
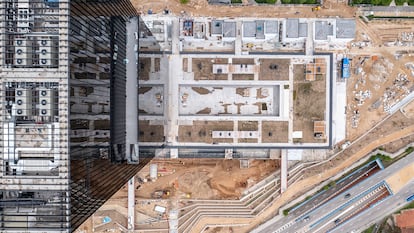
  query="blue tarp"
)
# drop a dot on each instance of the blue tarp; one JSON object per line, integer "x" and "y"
{"x": 106, "y": 219}
{"x": 345, "y": 68}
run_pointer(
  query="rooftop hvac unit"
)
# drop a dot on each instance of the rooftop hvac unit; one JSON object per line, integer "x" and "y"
{"x": 47, "y": 52}
{"x": 24, "y": 17}
{"x": 23, "y": 101}
{"x": 46, "y": 102}
{"x": 32, "y": 165}
{"x": 23, "y": 52}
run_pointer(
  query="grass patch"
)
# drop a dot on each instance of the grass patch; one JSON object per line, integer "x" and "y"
{"x": 386, "y": 160}
{"x": 306, "y": 87}
{"x": 370, "y": 229}
{"x": 371, "y": 17}
{"x": 300, "y": 1}
{"x": 358, "y": 167}
{"x": 328, "y": 186}
{"x": 399, "y": 2}
{"x": 266, "y": 1}
{"x": 400, "y": 156}
{"x": 184, "y": 1}
{"x": 236, "y": 1}
{"x": 372, "y": 2}
{"x": 409, "y": 206}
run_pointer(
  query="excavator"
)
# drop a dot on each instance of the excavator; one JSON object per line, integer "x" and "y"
{"x": 316, "y": 8}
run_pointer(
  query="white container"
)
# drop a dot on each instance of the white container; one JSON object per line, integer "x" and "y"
{"x": 153, "y": 171}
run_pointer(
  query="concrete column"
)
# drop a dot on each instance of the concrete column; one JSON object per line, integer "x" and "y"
{"x": 131, "y": 204}
{"x": 132, "y": 92}
{"x": 238, "y": 42}
{"x": 291, "y": 102}
{"x": 283, "y": 171}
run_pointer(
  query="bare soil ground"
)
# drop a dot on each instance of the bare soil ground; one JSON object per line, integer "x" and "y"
{"x": 401, "y": 178}
{"x": 378, "y": 76}
{"x": 248, "y": 126}
{"x": 396, "y": 123}
{"x": 143, "y": 90}
{"x": 409, "y": 110}
{"x": 247, "y": 140}
{"x": 275, "y": 131}
{"x": 157, "y": 64}
{"x": 390, "y": 30}
{"x": 201, "y": 90}
{"x": 199, "y": 178}
{"x": 242, "y": 61}
{"x": 150, "y": 133}
{"x": 144, "y": 68}
{"x": 243, "y": 76}
{"x": 377, "y": 80}
{"x": 219, "y": 230}
{"x": 201, "y": 131}
{"x": 204, "y": 180}
{"x": 396, "y": 145}
{"x": 309, "y": 100}
{"x": 280, "y": 73}
{"x": 203, "y": 68}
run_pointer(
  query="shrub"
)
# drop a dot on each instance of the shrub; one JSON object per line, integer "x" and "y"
{"x": 299, "y": 1}
{"x": 266, "y": 1}
{"x": 399, "y": 2}
{"x": 373, "y": 2}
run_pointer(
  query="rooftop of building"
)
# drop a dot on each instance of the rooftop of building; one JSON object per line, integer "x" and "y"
{"x": 404, "y": 220}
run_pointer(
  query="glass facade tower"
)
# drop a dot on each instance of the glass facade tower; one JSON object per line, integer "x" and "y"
{"x": 64, "y": 146}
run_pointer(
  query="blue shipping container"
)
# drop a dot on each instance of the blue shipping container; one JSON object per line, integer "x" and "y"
{"x": 345, "y": 68}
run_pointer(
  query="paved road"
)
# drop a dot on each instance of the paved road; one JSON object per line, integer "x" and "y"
{"x": 389, "y": 9}
{"x": 372, "y": 215}
{"x": 334, "y": 208}
{"x": 341, "y": 185}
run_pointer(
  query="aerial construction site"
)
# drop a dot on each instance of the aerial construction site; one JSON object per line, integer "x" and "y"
{"x": 252, "y": 108}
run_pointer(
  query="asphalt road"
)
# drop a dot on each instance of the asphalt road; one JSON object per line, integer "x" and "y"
{"x": 373, "y": 215}
{"x": 336, "y": 207}
{"x": 322, "y": 198}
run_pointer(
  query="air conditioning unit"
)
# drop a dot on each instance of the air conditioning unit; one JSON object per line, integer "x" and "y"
{"x": 23, "y": 102}
{"x": 47, "y": 52}
{"x": 24, "y": 17}
{"x": 46, "y": 102}
{"x": 23, "y": 52}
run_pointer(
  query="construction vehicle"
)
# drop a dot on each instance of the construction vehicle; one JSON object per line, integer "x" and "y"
{"x": 316, "y": 8}
{"x": 158, "y": 194}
